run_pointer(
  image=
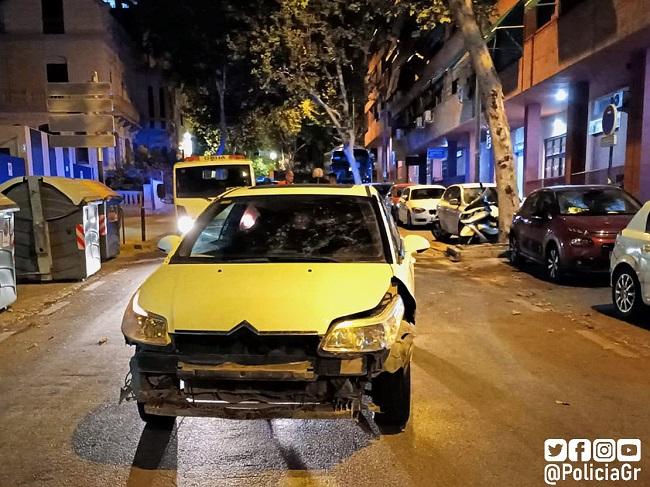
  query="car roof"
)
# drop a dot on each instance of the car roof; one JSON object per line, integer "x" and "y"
{"x": 427, "y": 186}
{"x": 564, "y": 187}
{"x": 303, "y": 189}
{"x": 402, "y": 185}
{"x": 475, "y": 185}
{"x": 209, "y": 162}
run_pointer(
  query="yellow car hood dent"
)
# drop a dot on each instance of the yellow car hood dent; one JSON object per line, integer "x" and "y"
{"x": 283, "y": 297}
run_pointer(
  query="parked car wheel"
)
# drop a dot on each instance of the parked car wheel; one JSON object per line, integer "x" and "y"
{"x": 514, "y": 254}
{"x": 552, "y": 265}
{"x": 154, "y": 420}
{"x": 439, "y": 234}
{"x": 626, "y": 293}
{"x": 409, "y": 219}
{"x": 392, "y": 393}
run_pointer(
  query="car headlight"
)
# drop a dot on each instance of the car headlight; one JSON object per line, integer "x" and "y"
{"x": 141, "y": 326}
{"x": 368, "y": 334}
{"x": 185, "y": 224}
{"x": 419, "y": 210}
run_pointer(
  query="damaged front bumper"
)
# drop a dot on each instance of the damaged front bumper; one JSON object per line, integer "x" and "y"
{"x": 257, "y": 381}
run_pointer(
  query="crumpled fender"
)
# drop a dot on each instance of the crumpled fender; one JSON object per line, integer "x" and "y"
{"x": 402, "y": 350}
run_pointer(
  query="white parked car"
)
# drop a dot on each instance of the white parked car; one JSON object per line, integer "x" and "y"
{"x": 630, "y": 266}
{"x": 418, "y": 204}
{"x": 452, "y": 204}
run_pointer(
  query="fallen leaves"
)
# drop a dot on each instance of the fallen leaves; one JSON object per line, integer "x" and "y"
{"x": 102, "y": 340}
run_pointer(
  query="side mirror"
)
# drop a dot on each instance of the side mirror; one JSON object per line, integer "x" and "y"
{"x": 454, "y": 202}
{"x": 415, "y": 243}
{"x": 161, "y": 191}
{"x": 169, "y": 243}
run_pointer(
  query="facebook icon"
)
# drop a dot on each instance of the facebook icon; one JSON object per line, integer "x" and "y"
{"x": 579, "y": 450}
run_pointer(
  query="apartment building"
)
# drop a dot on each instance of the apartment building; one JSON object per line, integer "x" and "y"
{"x": 561, "y": 62}
{"x": 45, "y": 41}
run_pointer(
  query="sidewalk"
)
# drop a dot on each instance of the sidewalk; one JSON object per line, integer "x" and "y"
{"x": 37, "y": 300}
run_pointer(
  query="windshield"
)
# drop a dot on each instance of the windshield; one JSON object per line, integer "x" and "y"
{"x": 472, "y": 194}
{"x": 596, "y": 202}
{"x": 296, "y": 228}
{"x": 382, "y": 189}
{"x": 210, "y": 180}
{"x": 427, "y": 194}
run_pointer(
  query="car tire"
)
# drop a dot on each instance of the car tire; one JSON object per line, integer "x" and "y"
{"x": 392, "y": 393}
{"x": 626, "y": 293}
{"x": 514, "y": 252}
{"x": 155, "y": 420}
{"x": 438, "y": 233}
{"x": 552, "y": 264}
{"x": 409, "y": 220}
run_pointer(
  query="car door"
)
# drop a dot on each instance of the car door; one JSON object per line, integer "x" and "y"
{"x": 402, "y": 209}
{"x": 644, "y": 265}
{"x": 456, "y": 205}
{"x": 447, "y": 207}
{"x": 537, "y": 230}
{"x": 522, "y": 222}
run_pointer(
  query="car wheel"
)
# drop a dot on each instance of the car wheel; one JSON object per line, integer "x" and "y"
{"x": 552, "y": 265}
{"x": 626, "y": 293}
{"x": 392, "y": 393}
{"x": 155, "y": 420}
{"x": 438, "y": 233}
{"x": 514, "y": 254}
{"x": 409, "y": 220}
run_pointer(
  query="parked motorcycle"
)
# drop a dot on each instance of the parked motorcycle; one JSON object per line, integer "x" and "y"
{"x": 480, "y": 219}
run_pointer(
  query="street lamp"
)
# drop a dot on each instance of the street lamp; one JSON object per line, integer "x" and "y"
{"x": 273, "y": 155}
{"x": 188, "y": 146}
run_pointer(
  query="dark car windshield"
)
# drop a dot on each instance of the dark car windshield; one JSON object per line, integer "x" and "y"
{"x": 382, "y": 189}
{"x": 210, "y": 181}
{"x": 427, "y": 194}
{"x": 596, "y": 202}
{"x": 287, "y": 228}
{"x": 490, "y": 194}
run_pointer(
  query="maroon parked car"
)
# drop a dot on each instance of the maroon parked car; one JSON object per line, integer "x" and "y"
{"x": 570, "y": 228}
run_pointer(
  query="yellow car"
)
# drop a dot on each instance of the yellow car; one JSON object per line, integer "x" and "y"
{"x": 287, "y": 301}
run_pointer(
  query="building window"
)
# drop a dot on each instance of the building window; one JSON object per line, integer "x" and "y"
{"x": 545, "y": 12}
{"x": 554, "y": 154}
{"x": 163, "y": 103}
{"x": 454, "y": 87}
{"x": 81, "y": 155}
{"x": 57, "y": 73}
{"x": 150, "y": 100}
{"x": 52, "y": 14}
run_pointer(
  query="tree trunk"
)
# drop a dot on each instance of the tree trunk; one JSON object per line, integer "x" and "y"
{"x": 348, "y": 150}
{"x": 493, "y": 110}
{"x": 223, "y": 126}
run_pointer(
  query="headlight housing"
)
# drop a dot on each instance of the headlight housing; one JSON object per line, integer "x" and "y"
{"x": 419, "y": 210}
{"x": 369, "y": 334}
{"x": 139, "y": 325}
{"x": 581, "y": 238}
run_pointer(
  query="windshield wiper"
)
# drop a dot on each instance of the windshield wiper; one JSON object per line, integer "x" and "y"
{"x": 289, "y": 257}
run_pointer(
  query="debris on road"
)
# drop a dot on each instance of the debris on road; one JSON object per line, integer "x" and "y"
{"x": 33, "y": 345}
{"x": 515, "y": 312}
{"x": 102, "y": 340}
{"x": 562, "y": 403}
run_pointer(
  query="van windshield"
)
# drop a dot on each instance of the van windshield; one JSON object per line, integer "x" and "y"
{"x": 210, "y": 180}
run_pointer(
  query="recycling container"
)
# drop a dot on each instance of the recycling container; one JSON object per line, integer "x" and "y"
{"x": 7, "y": 266}
{"x": 109, "y": 219}
{"x": 56, "y": 228}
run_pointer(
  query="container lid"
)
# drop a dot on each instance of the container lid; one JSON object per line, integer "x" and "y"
{"x": 7, "y": 204}
{"x": 78, "y": 191}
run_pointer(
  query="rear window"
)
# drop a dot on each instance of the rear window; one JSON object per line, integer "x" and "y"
{"x": 288, "y": 228}
{"x": 596, "y": 202}
{"x": 427, "y": 194}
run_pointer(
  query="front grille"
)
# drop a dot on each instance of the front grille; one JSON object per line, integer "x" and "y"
{"x": 432, "y": 212}
{"x": 245, "y": 342}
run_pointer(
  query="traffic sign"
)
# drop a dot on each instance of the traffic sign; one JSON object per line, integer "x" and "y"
{"x": 609, "y": 119}
{"x": 81, "y": 122}
{"x": 103, "y": 140}
{"x": 78, "y": 89}
{"x": 79, "y": 105}
{"x": 436, "y": 153}
{"x": 608, "y": 140}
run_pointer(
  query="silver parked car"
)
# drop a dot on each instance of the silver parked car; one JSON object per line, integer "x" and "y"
{"x": 630, "y": 266}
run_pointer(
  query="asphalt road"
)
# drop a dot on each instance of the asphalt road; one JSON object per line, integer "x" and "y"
{"x": 503, "y": 362}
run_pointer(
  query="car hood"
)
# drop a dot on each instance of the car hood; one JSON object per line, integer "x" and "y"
{"x": 194, "y": 206}
{"x": 428, "y": 204}
{"x": 607, "y": 224}
{"x": 283, "y": 297}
